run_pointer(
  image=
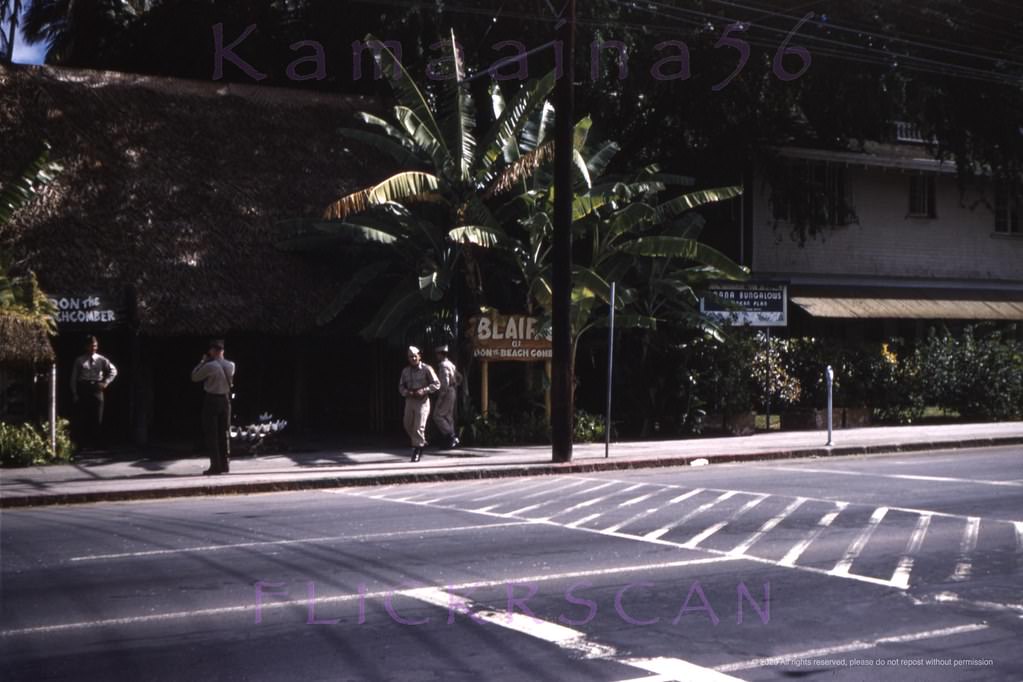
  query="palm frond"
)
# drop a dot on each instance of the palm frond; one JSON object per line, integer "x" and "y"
{"x": 506, "y": 129}
{"x": 409, "y": 185}
{"x": 405, "y": 89}
{"x": 685, "y": 249}
{"x": 521, "y": 169}
{"x": 679, "y": 205}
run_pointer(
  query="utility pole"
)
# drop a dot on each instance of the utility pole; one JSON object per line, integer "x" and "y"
{"x": 15, "y": 10}
{"x": 562, "y": 381}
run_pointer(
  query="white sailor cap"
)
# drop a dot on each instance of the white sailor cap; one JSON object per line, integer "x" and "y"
{"x": 412, "y": 350}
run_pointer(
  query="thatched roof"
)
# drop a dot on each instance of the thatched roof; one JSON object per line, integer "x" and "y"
{"x": 23, "y": 341}
{"x": 176, "y": 190}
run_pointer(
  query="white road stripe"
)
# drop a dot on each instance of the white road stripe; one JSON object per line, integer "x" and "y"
{"x": 797, "y": 550}
{"x": 572, "y": 640}
{"x": 513, "y": 489}
{"x": 856, "y": 547}
{"x": 964, "y": 567}
{"x": 1018, "y": 525}
{"x": 709, "y": 531}
{"x": 768, "y": 526}
{"x": 558, "y": 498}
{"x": 907, "y": 477}
{"x": 855, "y": 645}
{"x": 635, "y": 500}
{"x": 472, "y": 489}
{"x": 304, "y": 603}
{"x": 655, "y": 534}
{"x": 276, "y": 543}
{"x": 578, "y": 522}
{"x": 570, "y": 484}
{"x": 946, "y": 597}
{"x": 677, "y": 669}
{"x": 900, "y": 578}
{"x": 651, "y": 510}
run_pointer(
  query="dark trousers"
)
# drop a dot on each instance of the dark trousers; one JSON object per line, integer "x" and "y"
{"x": 88, "y": 426}
{"x": 216, "y": 420}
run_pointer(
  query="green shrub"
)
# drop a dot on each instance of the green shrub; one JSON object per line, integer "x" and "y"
{"x": 27, "y": 444}
{"x": 979, "y": 375}
{"x": 527, "y": 428}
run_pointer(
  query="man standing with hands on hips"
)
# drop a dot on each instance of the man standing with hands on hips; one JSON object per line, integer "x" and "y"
{"x": 90, "y": 376}
{"x": 418, "y": 381}
{"x": 217, "y": 376}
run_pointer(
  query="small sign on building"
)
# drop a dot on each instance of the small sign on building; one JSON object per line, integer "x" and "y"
{"x": 87, "y": 311}
{"x": 747, "y": 304}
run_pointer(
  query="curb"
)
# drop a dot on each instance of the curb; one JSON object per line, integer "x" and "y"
{"x": 485, "y": 472}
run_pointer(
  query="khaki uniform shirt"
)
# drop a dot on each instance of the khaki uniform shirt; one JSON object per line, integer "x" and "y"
{"x": 217, "y": 376}
{"x": 413, "y": 378}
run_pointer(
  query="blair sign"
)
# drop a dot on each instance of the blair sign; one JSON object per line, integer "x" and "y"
{"x": 509, "y": 337}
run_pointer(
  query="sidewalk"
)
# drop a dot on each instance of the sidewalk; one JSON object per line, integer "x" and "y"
{"x": 103, "y": 479}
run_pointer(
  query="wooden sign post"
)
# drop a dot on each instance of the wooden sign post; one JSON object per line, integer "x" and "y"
{"x": 509, "y": 338}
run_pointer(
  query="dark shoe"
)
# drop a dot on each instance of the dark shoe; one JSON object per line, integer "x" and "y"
{"x": 454, "y": 442}
{"x": 210, "y": 472}
{"x": 417, "y": 454}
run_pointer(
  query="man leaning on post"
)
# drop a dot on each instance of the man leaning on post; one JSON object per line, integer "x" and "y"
{"x": 217, "y": 376}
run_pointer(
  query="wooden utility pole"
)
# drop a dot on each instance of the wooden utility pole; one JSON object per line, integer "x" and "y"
{"x": 12, "y": 35}
{"x": 562, "y": 407}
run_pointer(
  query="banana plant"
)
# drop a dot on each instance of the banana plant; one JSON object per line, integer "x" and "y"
{"x": 623, "y": 233}
{"x": 20, "y": 294}
{"x": 412, "y": 221}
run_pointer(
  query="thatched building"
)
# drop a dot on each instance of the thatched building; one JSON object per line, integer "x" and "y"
{"x": 161, "y": 232}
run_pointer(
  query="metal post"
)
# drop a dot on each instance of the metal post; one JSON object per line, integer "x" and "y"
{"x": 831, "y": 379}
{"x": 610, "y": 372}
{"x": 53, "y": 409}
{"x": 769, "y": 382}
{"x": 562, "y": 383}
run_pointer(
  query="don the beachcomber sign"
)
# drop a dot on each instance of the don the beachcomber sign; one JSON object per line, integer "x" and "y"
{"x": 509, "y": 337}
{"x": 95, "y": 311}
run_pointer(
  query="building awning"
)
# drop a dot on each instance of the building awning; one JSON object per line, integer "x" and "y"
{"x": 910, "y": 308}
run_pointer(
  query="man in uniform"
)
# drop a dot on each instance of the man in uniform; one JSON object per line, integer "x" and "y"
{"x": 90, "y": 376}
{"x": 217, "y": 376}
{"x": 417, "y": 382}
{"x": 444, "y": 404}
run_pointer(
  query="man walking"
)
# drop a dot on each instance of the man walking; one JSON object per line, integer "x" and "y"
{"x": 417, "y": 382}
{"x": 444, "y": 403}
{"x": 217, "y": 376}
{"x": 90, "y": 376}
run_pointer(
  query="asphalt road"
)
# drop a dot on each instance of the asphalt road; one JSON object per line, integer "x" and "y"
{"x": 905, "y": 567}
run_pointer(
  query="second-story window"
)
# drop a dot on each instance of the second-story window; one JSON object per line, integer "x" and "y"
{"x": 1007, "y": 212}
{"x": 922, "y": 196}
{"x": 812, "y": 193}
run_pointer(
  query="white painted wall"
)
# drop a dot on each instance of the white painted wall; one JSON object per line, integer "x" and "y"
{"x": 958, "y": 244}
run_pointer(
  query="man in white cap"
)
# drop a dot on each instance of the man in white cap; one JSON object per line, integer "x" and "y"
{"x": 444, "y": 403}
{"x": 418, "y": 381}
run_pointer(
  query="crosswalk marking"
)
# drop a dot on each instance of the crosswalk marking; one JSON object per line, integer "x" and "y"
{"x": 651, "y": 510}
{"x": 964, "y": 566}
{"x": 900, "y": 578}
{"x": 604, "y": 496}
{"x": 797, "y": 550}
{"x": 768, "y": 526}
{"x": 856, "y": 548}
{"x": 710, "y": 530}
{"x": 539, "y": 484}
{"x": 660, "y": 532}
